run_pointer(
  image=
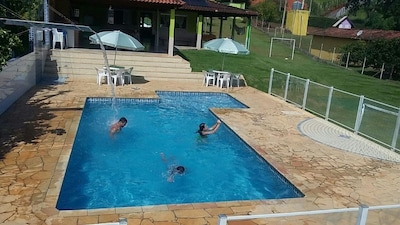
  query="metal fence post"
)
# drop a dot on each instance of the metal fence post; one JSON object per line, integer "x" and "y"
{"x": 305, "y": 94}
{"x": 222, "y": 219}
{"x": 328, "y": 105}
{"x": 362, "y": 215}
{"x": 320, "y": 50}
{"x": 286, "y": 86}
{"x": 347, "y": 60}
{"x": 396, "y": 131}
{"x": 360, "y": 113}
{"x": 271, "y": 76}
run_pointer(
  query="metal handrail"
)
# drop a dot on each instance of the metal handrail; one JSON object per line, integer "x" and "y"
{"x": 361, "y": 218}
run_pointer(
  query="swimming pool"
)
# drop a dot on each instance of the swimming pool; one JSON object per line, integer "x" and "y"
{"x": 127, "y": 170}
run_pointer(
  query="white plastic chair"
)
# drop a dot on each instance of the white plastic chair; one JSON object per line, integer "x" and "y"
{"x": 224, "y": 78}
{"x": 119, "y": 75}
{"x": 128, "y": 74}
{"x": 57, "y": 37}
{"x": 101, "y": 73}
{"x": 208, "y": 77}
{"x": 235, "y": 77}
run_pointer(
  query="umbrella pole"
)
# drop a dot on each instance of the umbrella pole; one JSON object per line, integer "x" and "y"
{"x": 115, "y": 55}
{"x": 223, "y": 62}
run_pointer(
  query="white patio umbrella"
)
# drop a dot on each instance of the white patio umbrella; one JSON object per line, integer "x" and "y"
{"x": 226, "y": 46}
{"x": 117, "y": 39}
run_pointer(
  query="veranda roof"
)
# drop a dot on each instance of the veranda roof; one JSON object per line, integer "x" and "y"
{"x": 212, "y": 8}
{"x": 362, "y": 34}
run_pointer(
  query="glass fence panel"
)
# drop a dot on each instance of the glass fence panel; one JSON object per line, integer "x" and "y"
{"x": 378, "y": 121}
{"x": 383, "y": 217}
{"x": 278, "y": 84}
{"x": 296, "y": 90}
{"x": 344, "y": 108}
{"x": 317, "y": 98}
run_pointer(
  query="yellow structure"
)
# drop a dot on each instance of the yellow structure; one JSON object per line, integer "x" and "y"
{"x": 297, "y": 21}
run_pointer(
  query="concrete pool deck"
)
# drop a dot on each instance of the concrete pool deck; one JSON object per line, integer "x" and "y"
{"x": 38, "y": 132}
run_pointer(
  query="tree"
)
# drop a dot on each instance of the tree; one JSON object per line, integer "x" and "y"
{"x": 377, "y": 53}
{"x": 357, "y": 52}
{"x": 377, "y": 21}
{"x": 8, "y": 42}
{"x": 268, "y": 10}
{"x": 380, "y": 14}
{"x": 9, "y": 39}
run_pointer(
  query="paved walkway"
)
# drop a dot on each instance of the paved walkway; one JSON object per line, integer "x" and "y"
{"x": 38, "y": 132}
{"x": 330, "y": 134}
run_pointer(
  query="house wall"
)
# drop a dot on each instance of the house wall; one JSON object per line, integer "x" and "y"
{"x": 327, "y": 48}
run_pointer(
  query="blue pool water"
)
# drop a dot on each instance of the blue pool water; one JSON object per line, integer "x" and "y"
{"x": 127, "y": 170}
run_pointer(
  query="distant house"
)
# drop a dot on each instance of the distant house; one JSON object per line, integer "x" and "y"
{"x": 344, "y": 23}
{"x": 326, "y": 42}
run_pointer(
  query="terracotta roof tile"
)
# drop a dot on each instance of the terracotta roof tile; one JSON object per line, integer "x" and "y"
{"x": 355, "y": 33}
{"x": 216, "y": 8}
{"x": 168, "y": 2}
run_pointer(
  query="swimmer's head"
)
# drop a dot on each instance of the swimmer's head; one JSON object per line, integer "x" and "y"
{"x": 202, "y": 126}
{"x": 180, "y": 169}
{"x": 123, "y": 121}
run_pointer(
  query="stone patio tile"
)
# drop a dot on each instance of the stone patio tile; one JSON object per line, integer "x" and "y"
{"x": 4, "y": 216}
{"x": 191, "y": 213}
{"x": 83, "y": 220}
{"x": 108, "y": 218}
{"x": 128, "y": 209}
{"x": 192, "y": 221}
{"x": 165, "y": 223}
{"x": 183, "y": 206}
{"x": 155, "y": 208}
{"x": 135, "y": 221}
{"x": 101, "y": 211}
{"x": 205, "y": 205}
{"x": 217, "y": 211}
{"x": 132, "y": 215}
{"x": 160, "y": 216}
{"x": 73, "y": 213}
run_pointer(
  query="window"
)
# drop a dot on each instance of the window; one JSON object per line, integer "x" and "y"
{"x": 180, "y": 21}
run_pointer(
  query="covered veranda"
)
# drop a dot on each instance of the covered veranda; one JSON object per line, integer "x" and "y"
{"x": 157, "y": 24}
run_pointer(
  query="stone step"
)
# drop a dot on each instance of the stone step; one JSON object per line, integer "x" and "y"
{"x": 82, "y": 62}
{"x": 90, "y": 69}
{"x": 128, "y": 59}
{"x": 79, "y": 55}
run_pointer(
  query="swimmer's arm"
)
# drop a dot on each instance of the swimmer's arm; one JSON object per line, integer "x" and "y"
{"x": 213, "y": 129}
{"x": 171, "y": 177}
{"x": 215, "y": 126}
{"x": 163, "y": 157}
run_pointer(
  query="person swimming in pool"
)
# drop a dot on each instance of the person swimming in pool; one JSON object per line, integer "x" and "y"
{"x": 172, "y": 169}
{"x": 116, "y": 127}
{"x": 204, "y": 130}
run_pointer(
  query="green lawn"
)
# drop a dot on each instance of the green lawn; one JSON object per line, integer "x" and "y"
{"x": 257, "y": 65}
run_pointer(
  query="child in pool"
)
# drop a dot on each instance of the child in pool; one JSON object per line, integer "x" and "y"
{"x": 204, "y": 130}
{"x": 172, "y": 169}
{"x": 116, "y": 127}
